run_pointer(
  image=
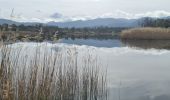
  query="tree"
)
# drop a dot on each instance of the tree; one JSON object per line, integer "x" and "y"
{"x": 0, "y": 27}
{"x": 13, "y": 27}
{"x": 21, "y": 27}
{"x": 151, "y": 22}
{"x": 5, "y": 27}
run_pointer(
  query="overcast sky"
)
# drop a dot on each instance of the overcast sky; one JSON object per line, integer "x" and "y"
{"x": 64, "y": 10}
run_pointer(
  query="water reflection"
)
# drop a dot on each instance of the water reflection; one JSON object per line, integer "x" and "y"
{"x": 109, "y": 43}
{"x": 144, "y": 74}
{"x": 93, "y": 42}
{"x": 148, "y": 44}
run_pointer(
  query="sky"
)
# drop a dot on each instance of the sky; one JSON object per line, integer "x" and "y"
{"x": 67, "y": 10}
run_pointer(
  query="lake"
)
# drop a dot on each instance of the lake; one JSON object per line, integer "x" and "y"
{"x": 136, "y": 70}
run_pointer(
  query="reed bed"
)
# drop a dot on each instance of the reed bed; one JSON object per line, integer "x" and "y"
{"x": 50, "y": 75}
{"x": 146, "y": 33}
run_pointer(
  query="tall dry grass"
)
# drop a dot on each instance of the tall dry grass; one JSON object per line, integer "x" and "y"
{"x": 146, "y": 33}
{"x": 50, "y": 76}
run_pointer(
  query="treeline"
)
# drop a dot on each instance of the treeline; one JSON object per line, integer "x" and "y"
{"x": 22, "y": 27}
{"x": 94, "y": 32}
{"x": 6, "y": 27}
{"x": 155, "y": 22}
{"x": 44, "y": 29}
{"x": 38, "y": 32}
{"x": 41, "y": 32}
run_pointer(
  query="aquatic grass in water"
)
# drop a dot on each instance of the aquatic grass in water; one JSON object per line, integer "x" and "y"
{"x": 46, "y": 74}
{"x": 146, "y": 33}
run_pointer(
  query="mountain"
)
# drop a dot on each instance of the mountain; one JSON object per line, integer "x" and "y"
{"x": 2, "y": 21}
{"x": 168, "y": 17}
{"x": 109, "y": 22}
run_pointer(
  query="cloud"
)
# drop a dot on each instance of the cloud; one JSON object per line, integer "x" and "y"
{"x": 39, "y": 11}
{"x": 157, "y": 14}
{"x": 126, "y": 15}
{"x": 123, "y": 14}
{"x": 56, "y": 15}
{"x": 96, "y": 0}
{"x": 117, "y": 14}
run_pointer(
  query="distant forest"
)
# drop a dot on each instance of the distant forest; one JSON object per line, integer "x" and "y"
{"x": 54, "y": 29}
{"x": 40, "y": 32}
{"x": 155, "y": 22}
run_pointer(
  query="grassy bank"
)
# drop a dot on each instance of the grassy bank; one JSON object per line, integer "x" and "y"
{"x": 26, "y": 36}
{"x": 146, "y": 34}
{"x": 49, "y": 76}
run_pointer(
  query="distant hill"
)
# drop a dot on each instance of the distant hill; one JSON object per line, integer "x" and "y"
{"x": 109, "y": 22}
{"x": 2, "y": 21}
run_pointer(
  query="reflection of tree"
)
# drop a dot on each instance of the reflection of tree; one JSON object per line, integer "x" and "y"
{"x": 148, "y": 44}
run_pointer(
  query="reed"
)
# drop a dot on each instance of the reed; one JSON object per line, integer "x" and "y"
{"x": 50, "y": 75}
{"x": 146, "y": 33}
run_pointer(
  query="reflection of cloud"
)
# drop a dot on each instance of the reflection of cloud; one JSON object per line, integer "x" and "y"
{"x": 113, "y": 51}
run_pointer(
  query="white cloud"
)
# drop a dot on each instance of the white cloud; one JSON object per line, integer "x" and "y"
{"x": 159, "y": 13}
{"x": 123, "y": 14}
{"x": 117, "y": 14}
{"x": 57, "y": 17}
{"x": 96, "y": 0}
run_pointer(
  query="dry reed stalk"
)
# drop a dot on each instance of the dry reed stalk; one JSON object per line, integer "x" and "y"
{"x": 50, "y": 76}
{"x": 146, "y": 33}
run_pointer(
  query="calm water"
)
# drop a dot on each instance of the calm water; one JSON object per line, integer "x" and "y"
{"x": 93, "y": 42}
{"x": 136, "y": 71}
